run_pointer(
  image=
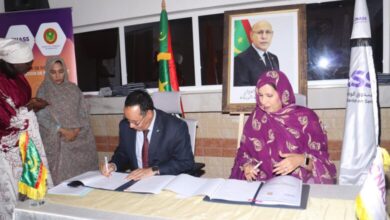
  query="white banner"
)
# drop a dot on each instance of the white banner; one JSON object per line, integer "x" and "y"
{"x": 361, "y": 120}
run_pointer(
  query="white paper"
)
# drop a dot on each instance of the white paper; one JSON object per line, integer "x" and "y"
{"x": 236, "y": 191}
{"x": 281, "y": 190}
{"x": 96, "y": 180}
{"x": 153, "y": 184}
{"x": 186, "y": 185}
{"x": 64, "y": 189}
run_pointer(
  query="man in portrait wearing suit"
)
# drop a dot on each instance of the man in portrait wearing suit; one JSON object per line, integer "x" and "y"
{"x": 255, "y": 60}
{"x": 151, "y": 142}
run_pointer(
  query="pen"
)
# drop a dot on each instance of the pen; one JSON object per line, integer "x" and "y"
{"x": 257, "y": 165}
{"x": 106, "y": 163}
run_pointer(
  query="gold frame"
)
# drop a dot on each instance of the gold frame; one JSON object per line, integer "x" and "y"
{"x": 274, "y": 15}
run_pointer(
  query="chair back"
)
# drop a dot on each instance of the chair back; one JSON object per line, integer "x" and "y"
{"x": 300, "y": 100}
{"x": 169, "y": 102}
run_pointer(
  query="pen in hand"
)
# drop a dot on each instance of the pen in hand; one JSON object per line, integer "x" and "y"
{"x": 106, "y": 164}
{"x": 257, "y": 165}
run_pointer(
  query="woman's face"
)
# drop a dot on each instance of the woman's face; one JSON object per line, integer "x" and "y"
{"x": 57, "y": 73}
{"x": 269, "y": 99}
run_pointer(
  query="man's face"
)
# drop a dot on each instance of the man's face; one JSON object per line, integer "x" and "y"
{"x": 136, "y": 120}
{"x": 261, "y": 35}
{"x": 14, "y": 69}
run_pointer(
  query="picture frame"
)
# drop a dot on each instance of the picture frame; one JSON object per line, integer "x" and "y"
{"x": 288, "y": 43}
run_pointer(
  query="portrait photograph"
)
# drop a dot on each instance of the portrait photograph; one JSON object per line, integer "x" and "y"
{"x": 257, "y": 41}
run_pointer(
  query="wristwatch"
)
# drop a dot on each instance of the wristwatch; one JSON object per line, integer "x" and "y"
{"x": 156, "y": 170}
{"x": 306, "y": 161}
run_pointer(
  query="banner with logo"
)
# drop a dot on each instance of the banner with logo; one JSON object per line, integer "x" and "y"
{"x": 49, "y": 32}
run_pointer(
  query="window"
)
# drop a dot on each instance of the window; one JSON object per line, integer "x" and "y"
{"x": 98, "y": 59}
{"x": 142, "y": 47}
{"x": 211, "y": 48}
{"x": 329, "y": 28}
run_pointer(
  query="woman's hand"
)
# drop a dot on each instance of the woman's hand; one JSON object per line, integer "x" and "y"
{"x": 69, "y": 134}
{"x": 289, "y": 163}
{"x": 251, "y": 171}
{"x": 36, "y": 104}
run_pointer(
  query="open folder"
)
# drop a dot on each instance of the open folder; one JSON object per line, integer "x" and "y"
{"x": 116, "y": 181}
{"x": 282, "y": 191}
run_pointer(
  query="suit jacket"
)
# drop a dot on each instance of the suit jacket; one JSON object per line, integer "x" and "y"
{"x": 248, "y": 67}
{"x": 169, "y": 147}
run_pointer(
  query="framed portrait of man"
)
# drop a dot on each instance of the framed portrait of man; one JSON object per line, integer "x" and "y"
{"x": 261, "y": 40}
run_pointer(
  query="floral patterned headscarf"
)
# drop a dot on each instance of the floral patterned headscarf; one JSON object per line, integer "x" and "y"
{"x": 291, "y": 129}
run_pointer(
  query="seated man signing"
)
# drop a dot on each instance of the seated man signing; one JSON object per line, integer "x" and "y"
{"x": 151, "y": 142}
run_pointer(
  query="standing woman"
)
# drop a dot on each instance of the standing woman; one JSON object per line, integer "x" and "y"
{"x": 15, "y": 117}
{"x": 64, "y": 124}
{"x": 283, "y": 138}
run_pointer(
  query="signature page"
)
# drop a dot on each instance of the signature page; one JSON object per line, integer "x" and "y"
{"x": 236, "y": 191}
{"x": 281, "y": 190}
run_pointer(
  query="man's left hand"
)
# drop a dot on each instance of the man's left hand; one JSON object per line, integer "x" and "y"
{"x": 140, "y": 174}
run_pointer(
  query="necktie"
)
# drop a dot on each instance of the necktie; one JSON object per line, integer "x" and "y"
{"x": 267, "y": 61}
{"x": 145, "y": 150}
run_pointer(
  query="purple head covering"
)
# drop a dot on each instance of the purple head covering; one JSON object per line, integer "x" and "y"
{"x": 292, "y": 129}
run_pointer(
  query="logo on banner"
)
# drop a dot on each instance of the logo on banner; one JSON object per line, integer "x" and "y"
{"x": 360, "y": 78}
{"x": 50, "y": 36}
{"x": 50, "y": 39}
{"x": 22, "y": 33}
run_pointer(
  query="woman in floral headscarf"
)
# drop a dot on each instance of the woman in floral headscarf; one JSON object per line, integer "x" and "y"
{"x": 64, "y": 124}
{"x": 281, "y": 138}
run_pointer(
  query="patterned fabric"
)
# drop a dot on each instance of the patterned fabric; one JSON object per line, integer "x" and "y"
{"x": 292, "y": 129}
{"x": 14, "y": 93}
{"x": 10, "y": 161}
{"x": 67, "y": 109}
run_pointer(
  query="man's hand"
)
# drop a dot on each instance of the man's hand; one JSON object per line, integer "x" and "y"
{"x": 36, "y": 104}
{"x": 140, "y": 174}
{"x": 106, "y": 172}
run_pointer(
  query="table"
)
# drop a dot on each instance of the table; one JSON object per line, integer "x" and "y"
{"x": 325, "y": 202}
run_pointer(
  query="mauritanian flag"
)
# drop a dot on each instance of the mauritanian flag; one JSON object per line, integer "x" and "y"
{"x": 242, "y": 41}
{"x": 167, "y": 68}
{"x": 32, "y": 183}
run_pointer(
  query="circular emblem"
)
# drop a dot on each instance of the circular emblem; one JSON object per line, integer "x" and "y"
{"x": 50, "y": 36}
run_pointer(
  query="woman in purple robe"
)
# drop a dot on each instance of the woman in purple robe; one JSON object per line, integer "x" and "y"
{"x": 281, "y": 138}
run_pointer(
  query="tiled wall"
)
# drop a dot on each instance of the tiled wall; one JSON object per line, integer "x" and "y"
{"x": 217, "y": 133}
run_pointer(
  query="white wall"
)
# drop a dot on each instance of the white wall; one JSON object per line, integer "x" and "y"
{"x": 87, "y": 12}
{"x": 97, "y": 14}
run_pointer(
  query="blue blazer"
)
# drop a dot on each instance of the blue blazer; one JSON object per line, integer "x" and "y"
{"x": 248, "y": 67}
{"x": 169, "y": 147}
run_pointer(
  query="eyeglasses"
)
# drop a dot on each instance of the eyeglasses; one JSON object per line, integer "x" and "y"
{"x": 137, "y": 123}
{"x": 266, "y": 32}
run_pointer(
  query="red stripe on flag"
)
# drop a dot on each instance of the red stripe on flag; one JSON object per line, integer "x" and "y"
{"x": 248, "y": 28}
{"x": 172, "y": 65}
{"x": 39, "y": 179}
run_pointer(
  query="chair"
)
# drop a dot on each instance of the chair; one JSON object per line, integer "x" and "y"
{"x": 170, "y": 102}
{"x": 300, "y": 99}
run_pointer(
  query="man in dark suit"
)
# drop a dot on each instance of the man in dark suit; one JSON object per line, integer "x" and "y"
{"x": 250, "y": 64}
{"x": 168, "y": 141}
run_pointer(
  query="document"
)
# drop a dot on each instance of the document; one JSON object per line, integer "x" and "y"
{"x": 281, "y": 191}
{"x": 64, "y": 189}
{"x": 95, "y": 179}
{"x": 183, "y": 184}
